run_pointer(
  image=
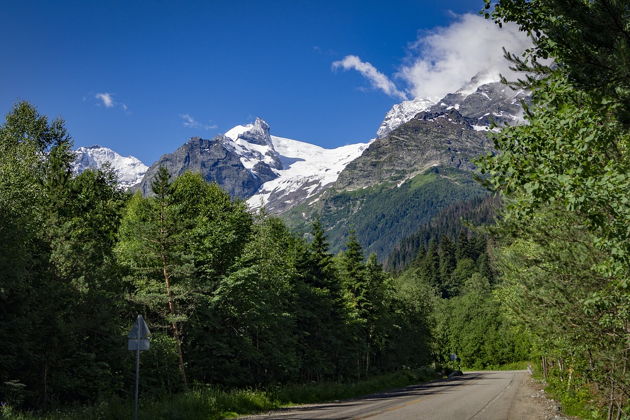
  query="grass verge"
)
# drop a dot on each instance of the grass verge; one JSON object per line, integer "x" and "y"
{"x": 575, "y": 398}
{"x": 207, "y": 403}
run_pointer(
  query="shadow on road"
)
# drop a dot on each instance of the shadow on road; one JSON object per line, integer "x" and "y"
{"x": 439, "y": 386}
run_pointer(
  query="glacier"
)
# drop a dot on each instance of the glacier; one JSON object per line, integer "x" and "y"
{"x": 129, "y": 169}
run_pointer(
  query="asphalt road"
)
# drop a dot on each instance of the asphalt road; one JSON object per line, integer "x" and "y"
{"x": 476, "y": 395}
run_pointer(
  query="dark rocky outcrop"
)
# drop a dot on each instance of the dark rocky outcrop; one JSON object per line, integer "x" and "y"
{"x": 489, "y": 103}
{"x": 213, "y": 160}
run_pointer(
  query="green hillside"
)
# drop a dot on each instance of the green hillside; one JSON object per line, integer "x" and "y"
{"x": 384, "y": 214}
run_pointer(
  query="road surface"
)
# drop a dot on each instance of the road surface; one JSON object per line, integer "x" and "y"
{"x": 475, "y": 395}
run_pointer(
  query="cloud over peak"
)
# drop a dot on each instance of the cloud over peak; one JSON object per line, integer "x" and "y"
{"x": 444, "y": 59}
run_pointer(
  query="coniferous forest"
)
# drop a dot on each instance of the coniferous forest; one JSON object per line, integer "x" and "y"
{"x": 538, "y": 271}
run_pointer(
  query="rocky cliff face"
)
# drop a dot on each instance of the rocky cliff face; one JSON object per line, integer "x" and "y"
{"x": 215, "y": 161}
{"x": 240, "y": 161}
{"x": 490, "y": 103}
{"x": 442, "y": 138}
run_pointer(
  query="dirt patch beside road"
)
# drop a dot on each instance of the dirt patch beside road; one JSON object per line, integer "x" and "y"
{"x": 531, "y": 402}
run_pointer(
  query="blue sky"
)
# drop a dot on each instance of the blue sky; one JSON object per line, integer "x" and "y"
{"x": 142, "y": 77}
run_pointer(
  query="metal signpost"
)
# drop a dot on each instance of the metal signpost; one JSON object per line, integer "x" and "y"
{"x": 138, "y": 341}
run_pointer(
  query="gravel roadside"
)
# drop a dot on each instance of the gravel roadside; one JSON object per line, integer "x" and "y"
{"x": 531, "y": 402}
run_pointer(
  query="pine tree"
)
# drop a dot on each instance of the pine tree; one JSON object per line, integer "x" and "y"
{"x": 150, "y": 247}
{"x": 321, "y": 310}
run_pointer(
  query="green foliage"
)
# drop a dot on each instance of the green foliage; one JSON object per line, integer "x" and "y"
{"x": 57, "y": 234}
{"x": 467, "y": 320}
{"x": 254, "y": 307}
{"x": 566, "y": 244}
{"x": 577, "y": 399}
{"x": 551, "y": 280}
{"x": 321, "y": 311}
{"x": 587, "y": 39}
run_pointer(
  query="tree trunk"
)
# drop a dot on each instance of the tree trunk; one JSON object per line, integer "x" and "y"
{"x": 177, "y": 333}
{"x": 46, "y": 382}
{"x": 176, "y": 330}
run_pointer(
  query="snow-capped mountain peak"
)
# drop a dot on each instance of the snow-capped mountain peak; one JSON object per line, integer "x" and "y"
{"x": 252, "y": 142}
{"x": 403, "y": 112}
{"x": 301, "y": 169}
{"x": 129, "y": 169}
{"x": 255, "y": 133}
{"x": 479, "y": 79}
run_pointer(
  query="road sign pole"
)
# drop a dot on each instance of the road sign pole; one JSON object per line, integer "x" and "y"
{"x": 135, "y": 411}
{"x": 138, "y": 341}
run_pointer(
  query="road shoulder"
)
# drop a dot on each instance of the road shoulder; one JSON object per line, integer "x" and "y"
{"x": 531, "y": 402}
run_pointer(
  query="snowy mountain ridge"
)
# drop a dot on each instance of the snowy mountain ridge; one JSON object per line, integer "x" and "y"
{"x": 289, "y": 171}
{"x": 279, "y": 173}
{"x": 307, "y": 169}
{"x": 129, "y": 169}
{"x": 302, "y": 169}
{"x": 483, "y": 91}
{"x": 401, "y": 113}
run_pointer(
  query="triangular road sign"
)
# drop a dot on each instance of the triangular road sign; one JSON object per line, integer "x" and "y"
{"x": 140, "y": 330}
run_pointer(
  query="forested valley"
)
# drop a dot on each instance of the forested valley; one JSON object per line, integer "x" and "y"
{"x": 233, "y": 299}
{"x": 539, "y": 271}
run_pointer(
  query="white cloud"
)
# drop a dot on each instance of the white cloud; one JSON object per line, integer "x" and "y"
{"x": 190, "y": 122}
{"x": 377, "y": 79}
{"x": 444, "y": 59}
{"x": 106, "y": 99}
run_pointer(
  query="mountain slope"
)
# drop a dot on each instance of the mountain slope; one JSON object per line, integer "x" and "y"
{"x": 383, "y": 214}
{"x": 429, "y": 139}
{"x": 129, "y": 169}
{"x": 403, "y": 179}
{"x": 399, "y": 183}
